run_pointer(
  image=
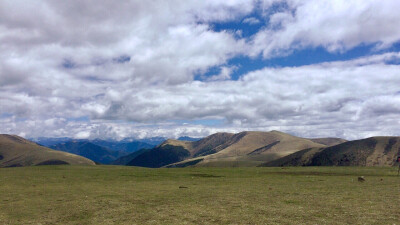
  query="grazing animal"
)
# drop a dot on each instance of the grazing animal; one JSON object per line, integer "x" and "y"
{"x": 361, "y": 179}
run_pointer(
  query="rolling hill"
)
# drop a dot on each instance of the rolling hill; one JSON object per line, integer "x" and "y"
{"x": 249, "y": 148}
{"x": 89, "y": 150}
{"x": 16, "y": 151}
{"x": 373, "y": 151}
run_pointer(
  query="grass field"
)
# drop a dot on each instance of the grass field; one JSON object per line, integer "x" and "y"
{"x": 128, "y": 195}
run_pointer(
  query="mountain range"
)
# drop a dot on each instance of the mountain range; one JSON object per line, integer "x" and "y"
{"x": 89, "y": 150}
{"x": 104, "y": 151}
{"x": 127, "y": 145}
{"x": 273, "y": 148}
{"x": 100, "y": 151}
{"x": 244, "y": 149}
{"x": 249, "y": 148}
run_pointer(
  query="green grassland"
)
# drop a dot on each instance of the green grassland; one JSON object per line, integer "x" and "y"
{"x": 129, "y": 195}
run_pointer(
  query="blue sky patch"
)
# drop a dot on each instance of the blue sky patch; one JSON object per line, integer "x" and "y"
{"x": 122, "y": 59}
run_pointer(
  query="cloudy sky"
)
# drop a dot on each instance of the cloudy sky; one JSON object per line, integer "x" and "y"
{"x": 114, "y": 69}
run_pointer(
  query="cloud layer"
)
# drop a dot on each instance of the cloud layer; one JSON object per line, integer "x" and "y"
{"x": 146, "y": 69}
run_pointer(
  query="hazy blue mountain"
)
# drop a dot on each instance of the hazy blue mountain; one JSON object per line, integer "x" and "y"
{"x": 46, "y": 141}
{"x": 127, "y": 145}
{"x": 89, "y": 150}
{"x": 153, "y": 140}
{"x": 123, "y": 146}
{"x": 187, "y": 138}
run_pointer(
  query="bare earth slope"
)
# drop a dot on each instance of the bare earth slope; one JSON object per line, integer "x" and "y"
{"x": 374, "y": 151}
{"x": 16, "y": 151}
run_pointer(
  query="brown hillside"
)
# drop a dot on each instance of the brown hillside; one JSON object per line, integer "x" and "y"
{"x": 17, "y": 151}
{"x": 374, "y": 151}
{"x": 205, "y": 146}
{"x": 251, "y": 148}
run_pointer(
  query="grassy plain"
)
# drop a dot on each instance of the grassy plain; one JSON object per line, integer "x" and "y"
{"x": 129, "y": 195}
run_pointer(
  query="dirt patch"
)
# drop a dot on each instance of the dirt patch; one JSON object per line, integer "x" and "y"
{"x": 204, "y": 175}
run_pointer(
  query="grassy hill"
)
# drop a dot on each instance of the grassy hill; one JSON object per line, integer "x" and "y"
{"x": 16, "y": 151}
{"x": 374, "y": 151}
{"x": 225, "y": 149}
{"x": 89, "y": 150}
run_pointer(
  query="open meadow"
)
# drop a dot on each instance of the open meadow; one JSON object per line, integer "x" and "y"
{"x": 132, "y": 195}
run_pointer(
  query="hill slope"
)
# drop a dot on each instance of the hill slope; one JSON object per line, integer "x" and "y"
{"x": 374, "y": 151}
{"x": 89, "y": 150}
{"x": 252, "y": 148}
{"x": 17, "y": 151}
{"x": 226, "y": 149}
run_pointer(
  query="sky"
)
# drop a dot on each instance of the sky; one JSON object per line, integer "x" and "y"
{"x": 116, "y": 69}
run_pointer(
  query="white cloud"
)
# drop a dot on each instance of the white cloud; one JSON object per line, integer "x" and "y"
{"x": 128, "y": 69}
{"x": 251, "y": 20}
{"x": 328, "y": 99}
{"x": 335, "y": 25}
